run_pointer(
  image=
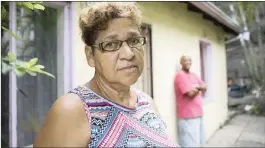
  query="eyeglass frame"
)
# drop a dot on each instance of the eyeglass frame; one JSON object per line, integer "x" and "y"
{"x": 100, "y": 46}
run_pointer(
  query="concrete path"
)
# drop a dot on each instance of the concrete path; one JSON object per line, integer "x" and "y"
{"x": 241, "y": 131}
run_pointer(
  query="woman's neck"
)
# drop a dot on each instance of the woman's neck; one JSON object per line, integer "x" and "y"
{"x": 115, "y": 92}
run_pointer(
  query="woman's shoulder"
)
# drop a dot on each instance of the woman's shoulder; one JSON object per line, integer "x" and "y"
{"x": 66, "y": 115}
{"x": 68, "y": 108}
{"x": 80, "y": 90}
{"x": 86, "y": 94}
{"x": 144, "y": 98}
{"x": 142, "y": 95}
{"x": 68, "y": 104}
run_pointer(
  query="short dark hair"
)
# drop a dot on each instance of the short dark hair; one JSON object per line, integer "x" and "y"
{"x": 95, "y": 18}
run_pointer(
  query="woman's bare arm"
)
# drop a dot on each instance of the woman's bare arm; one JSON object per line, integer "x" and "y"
{"x": 66, "y": 124}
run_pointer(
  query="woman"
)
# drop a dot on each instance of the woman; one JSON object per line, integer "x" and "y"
{"x": 105, "y": 112}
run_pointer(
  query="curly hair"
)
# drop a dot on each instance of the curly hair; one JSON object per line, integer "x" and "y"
{"x": 96, "y": 18}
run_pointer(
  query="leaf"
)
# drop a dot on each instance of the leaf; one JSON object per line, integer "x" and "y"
{"x": 22, "y": 69}
{"x": 11, "y": 56}
{"x": 21, "y": 64}
{"x": 28, "y": 5}
{"x": 5, "y": 68}
{"x": 10, "y": 32}
{"x": 37, "y": 68}
{"x": 38, "y": 2}
{"x": 26, "y": 65}
{"x": 39, "y": 6}
{"x": 18, "y": 72}
{"x": 19, "y": 3}
{"x": 46, "y": 73}
{"x": 32, "y": 73}
{"x": 3, "y": 13}
{"x": 32, "y": 62}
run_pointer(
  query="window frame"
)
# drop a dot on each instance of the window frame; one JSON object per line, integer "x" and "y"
{"x": 145, "y": 81}
{"x": 148, "y": 74}
{"x": 208, "y": 69}
{"x": 67, "y": 62}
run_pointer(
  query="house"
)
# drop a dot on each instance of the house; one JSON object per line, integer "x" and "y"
{"x": 197, "y": 29}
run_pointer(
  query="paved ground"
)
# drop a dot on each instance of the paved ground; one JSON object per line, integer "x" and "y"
{"x": 241, "y": 131}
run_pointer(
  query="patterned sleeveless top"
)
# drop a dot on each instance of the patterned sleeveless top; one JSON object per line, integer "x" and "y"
{"x": 113, "y": 125}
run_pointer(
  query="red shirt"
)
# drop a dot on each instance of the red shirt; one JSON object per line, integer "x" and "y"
{"x": 188, "y": 107}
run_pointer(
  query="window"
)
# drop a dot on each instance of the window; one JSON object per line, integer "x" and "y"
{"x": 144, "y": 82}
{"x": 45, "y": 35}
{"x": 206, "y": 64}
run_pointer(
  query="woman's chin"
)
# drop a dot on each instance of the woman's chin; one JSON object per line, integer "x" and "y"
{"x": 129, "y": 81}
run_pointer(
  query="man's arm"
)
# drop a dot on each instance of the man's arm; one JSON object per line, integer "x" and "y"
{"x": 192, "y": 93}
{"x": 203, "y": 86}
{"x": 185, "y": 86}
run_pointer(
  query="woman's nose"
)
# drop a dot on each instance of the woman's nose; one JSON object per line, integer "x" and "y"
{"x": 126, "y": 52}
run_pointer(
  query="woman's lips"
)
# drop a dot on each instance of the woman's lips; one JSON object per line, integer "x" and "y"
{"x": 129, "y": 68}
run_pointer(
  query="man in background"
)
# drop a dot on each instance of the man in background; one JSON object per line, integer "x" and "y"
{"x": 189, "y": 88}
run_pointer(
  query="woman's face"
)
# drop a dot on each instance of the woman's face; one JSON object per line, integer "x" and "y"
{"x": 123, "y": 66}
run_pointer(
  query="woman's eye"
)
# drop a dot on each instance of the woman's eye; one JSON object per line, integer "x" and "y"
{"x": 111, "y": 45}
{"x": 134, "y": 41}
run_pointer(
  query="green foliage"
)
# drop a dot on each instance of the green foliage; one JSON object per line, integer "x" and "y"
{"x": 4, "y": 13}
{"x": 249, "y": 9}
{"x": 10, "y": 63}
{"x": 257, "y": 109}
{"x": 31, "y": 5}
{"x": 10, "y": 32}
{"x": 28, "y": 5}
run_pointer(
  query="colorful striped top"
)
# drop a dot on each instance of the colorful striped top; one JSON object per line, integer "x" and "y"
{"x": 113, "y": 125}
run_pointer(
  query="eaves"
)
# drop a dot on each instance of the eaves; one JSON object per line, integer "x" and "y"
{"x": 213, "y": 13}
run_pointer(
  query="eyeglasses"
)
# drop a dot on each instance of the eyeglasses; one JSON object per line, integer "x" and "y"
{"x": 116, "y": 45}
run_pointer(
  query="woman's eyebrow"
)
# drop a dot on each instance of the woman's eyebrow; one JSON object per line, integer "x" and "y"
{"x": 133, "y": 33}
{"x": 114, "y": 36}
{"x": 111, "y": 36}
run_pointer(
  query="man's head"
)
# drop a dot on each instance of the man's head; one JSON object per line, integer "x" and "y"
{"x": 185, "y": 62}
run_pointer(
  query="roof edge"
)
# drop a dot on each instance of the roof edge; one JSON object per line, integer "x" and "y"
{"x": 212, "y": 10}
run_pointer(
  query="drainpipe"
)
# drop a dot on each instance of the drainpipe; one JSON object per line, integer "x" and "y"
{"x": 244, "y": 36}
{"x": 234, "y": 39}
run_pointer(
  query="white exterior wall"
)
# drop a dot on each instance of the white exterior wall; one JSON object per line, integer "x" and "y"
{"x": 82, "y": 73}
{"x": 175, "y": 31}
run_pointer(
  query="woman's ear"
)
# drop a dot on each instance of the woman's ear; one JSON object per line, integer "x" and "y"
{"x": 89, "y": 56}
